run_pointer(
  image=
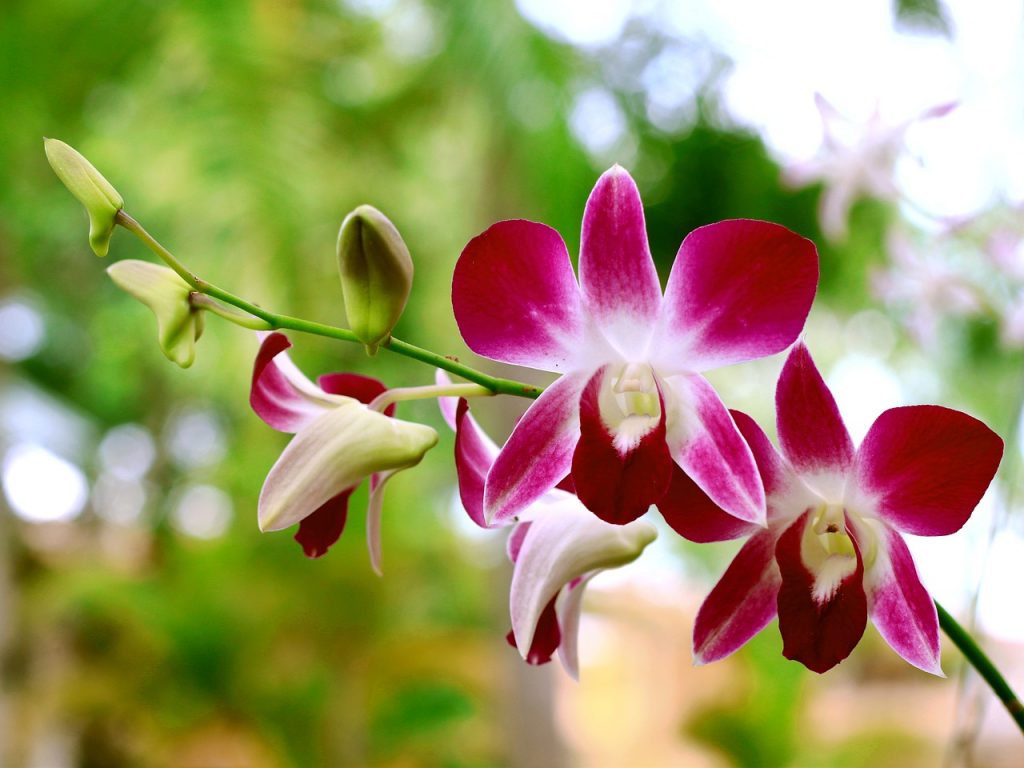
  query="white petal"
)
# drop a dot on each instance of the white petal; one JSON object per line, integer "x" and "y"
{"x": 565, "y": 543}
{"x": 373, "y": 515}
{"x": 334, "y": 452}
{"x": 569, "y": 608}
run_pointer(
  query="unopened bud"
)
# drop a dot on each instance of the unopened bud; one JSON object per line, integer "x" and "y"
{"x": 101, "y": 200}
{"x": 376, "y": 274}
{"x": 179, "y": 324}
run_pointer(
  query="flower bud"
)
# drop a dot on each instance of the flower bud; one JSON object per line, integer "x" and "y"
{"x": 101, "y": 200}
{"x": 179, "y": 324}
{"x": 376, "y": 274}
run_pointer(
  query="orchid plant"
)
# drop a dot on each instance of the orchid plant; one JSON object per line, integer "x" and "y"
{"x": 630, "y": 423}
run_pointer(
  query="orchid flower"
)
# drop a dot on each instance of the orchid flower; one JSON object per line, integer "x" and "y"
{"x": 833, "y": 554}
{"x": 338, "y": 442}
{"x": 556, "y": 547}
{"x": 855, "y": 161}
{"x": 631, "y": 417}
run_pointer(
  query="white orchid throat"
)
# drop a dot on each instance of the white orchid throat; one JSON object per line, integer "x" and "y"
{"x": 630, "y": 404}
{"x": 828, "y": 550}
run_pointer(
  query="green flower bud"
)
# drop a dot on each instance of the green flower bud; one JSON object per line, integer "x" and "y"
{"x": 101, "y": 200}
{"x": 179, "y": 324}
{"x": 376, "y": 274}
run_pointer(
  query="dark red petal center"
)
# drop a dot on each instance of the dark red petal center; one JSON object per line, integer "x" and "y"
{"x": 318, "y": 532}
{"x": 546, "y": 638}
{"x": 818, "y": 632}
{"x": 618, "y": 486}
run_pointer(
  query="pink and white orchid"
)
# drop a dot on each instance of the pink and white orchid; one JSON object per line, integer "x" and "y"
{"x": 833, "y": 554}
{"x": 556, "y": 546}
{"x": 338, "y": 442}
{"x": 856, "y": 160}
{"x": 631, "y": 417}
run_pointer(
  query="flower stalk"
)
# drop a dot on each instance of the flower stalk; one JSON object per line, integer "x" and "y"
{"x": 275, "y": 321}
{"x": 982, "y": 663}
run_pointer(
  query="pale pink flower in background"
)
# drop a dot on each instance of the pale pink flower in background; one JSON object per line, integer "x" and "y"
{"x": 856, "y": 160}
{"x": 1005, "y": 250}
{"x": 926, "y": 287}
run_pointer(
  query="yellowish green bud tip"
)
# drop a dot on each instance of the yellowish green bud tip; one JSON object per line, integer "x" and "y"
{"x": 101, "y": 200}
{"x": 376, "y": 274}
{"x": 179, "y": 324}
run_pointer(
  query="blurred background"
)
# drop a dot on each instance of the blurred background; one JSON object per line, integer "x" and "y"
{"x": 145, "y": 621}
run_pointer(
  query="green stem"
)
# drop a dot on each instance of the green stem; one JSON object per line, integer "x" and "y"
{"x": 977, "y": 659}
{"x": 494, "y": 384}
{"x": 244, "y": 319}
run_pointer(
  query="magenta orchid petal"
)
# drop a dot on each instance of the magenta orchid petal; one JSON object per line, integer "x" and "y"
{"x": 562, "y": 545}
{"x": 618, "y": 483}
{"x": 538, "y": 453}
{"x": 706, "y": 444}
{"x": 694, "y": 516}
{"x": 927, "y": 467}
{"x": 811, "y": 430}
{"x": 318, "y": 532}
{"x": 738, "y": 290}
{"x": 742, "y": 602}
{"x": 288, "y": 369}
{"x": 448, "y": 405}
{"x": 822, "y": 615}
{"x": 361, "y": 388}
{"x": 516, "y": 299}
{"x": 474, "y": 455}
{"x": 776, "y": 473}
{"x": 620, "y": 285}
{"x": 901, "y": 608}
{"x": 280, "y": 394}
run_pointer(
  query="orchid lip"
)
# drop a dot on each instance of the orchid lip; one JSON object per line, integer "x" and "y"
{"x": 834, "y": 536}
{"x": 630, "y": 404}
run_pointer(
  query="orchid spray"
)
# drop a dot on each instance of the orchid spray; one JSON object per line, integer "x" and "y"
{"x": 631, "y": 422}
